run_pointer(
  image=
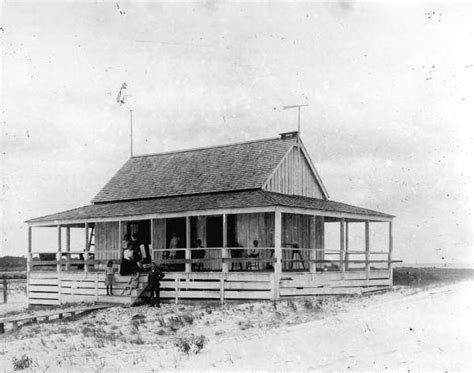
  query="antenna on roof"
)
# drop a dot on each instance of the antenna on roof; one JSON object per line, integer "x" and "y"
{"x": 299, "y": 114}
{"x": 131, "y": 133}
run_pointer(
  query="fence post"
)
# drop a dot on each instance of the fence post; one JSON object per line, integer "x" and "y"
{"x": 176, "y": 286}
{"x": 5, "y": 296}
{"x": 60, "y": 295}
{"x": 97, "y": 287}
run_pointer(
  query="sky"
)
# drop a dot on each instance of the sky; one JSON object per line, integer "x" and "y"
{"x": 388, "y": 84}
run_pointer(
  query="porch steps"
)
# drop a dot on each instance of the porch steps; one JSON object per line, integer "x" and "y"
{"x": 125, "y": 299}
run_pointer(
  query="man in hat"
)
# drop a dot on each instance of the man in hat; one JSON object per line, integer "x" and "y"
{"x": 154, "y": 277}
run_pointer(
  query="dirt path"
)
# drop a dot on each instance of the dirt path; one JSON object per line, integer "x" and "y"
{"x": 431, "y": 330}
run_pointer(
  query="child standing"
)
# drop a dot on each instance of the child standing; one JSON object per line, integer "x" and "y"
{"x": 109, "y": 277}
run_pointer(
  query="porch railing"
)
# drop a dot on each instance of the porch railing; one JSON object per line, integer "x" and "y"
{"x": 236, "y": 258}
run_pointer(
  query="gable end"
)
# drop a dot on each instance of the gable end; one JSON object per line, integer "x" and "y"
{"x": 296, "y": 175}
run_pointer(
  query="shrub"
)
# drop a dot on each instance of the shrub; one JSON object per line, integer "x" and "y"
{"x": 22, "y": 362}
{"x": 191, "y": 343}
{"x": 188, "y": 318}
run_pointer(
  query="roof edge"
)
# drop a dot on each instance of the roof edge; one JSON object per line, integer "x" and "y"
{"x": 208, "y": 147}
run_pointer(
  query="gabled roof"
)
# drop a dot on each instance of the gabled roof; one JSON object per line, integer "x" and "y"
{"x": 234, "y": 167}
{"x": 211, "y": 201}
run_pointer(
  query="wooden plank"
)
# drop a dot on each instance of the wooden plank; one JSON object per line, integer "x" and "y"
{"x": 318, "y": 291}
{"x": 247, "y": 294}
{"x": 68, "y": 298}
{"x": 340, "y": 283}
{"x": 45, "y": 302}
{"x": 191, "y": 285}
{"x": 248, "y": 285}
{"x": 42, "y": 295}
{"x": 231, "y": 276}
{"x": 43, "y": 288}
{"x": 191, "y": 294}
{"x": 44, "y": 274}
{"x": 43, "y": 281}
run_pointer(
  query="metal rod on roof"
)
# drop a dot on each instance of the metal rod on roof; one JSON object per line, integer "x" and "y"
{"x": 131, "y": 133}
{"x": 299, "y": 115}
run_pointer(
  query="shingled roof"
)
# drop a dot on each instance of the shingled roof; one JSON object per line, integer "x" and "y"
{"x": 211, "y": 201}
{"x": 234, "y": 167}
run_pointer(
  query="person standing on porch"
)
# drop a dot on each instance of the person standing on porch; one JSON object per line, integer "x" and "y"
{"x": 154, "y": 278}
{"x": 174, "y": 244}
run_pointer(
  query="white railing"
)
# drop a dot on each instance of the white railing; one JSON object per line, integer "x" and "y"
{"x": 221, "y": 259}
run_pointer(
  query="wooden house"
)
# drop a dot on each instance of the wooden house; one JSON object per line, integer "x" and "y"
{"x": 227, "y": 197}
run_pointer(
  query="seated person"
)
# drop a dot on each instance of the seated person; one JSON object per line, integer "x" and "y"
{"x": 253, "y": 252}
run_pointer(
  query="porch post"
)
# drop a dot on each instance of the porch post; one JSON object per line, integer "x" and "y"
{"x": 313, "y": 244}
{"x": 68, "y": 247}
{"x": 225, "y": 264}
{"x": 342, "y": 248}
{"x": 390, "y": 249}
{"x": 347, "y": 256}
{"x": 30, "y": 248}
{"x": 120, "y": 234}
{"x": 367, "y": 250}
{"x": 58, "y": 255}
{"x": 86, "y": 247}
{"x": 278, "y": 254}
{"x": 188, "y": 243}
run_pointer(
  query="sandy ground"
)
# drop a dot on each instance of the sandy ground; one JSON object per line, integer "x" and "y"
{"x": 428, "y": 331}
{"x": 406, "y": 329}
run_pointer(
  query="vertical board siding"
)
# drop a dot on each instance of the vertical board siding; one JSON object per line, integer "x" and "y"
{"x": 158, "y": 240}
{"x": 259, "y": 226}
{"x": 294, "y": 176}
{"x": 107, "y": 241}
{"x": 297, "y": 229}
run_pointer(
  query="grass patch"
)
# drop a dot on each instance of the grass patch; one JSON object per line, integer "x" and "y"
{"x": 192, "y": 343}
{"x": 22, "y": 362}
{"x": 410, "y": 276}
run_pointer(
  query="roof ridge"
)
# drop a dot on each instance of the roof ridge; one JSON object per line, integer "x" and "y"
{"x": 210, "y": 147}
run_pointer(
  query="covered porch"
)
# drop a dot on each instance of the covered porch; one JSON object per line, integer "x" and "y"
{"x": 301, "y": 251}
